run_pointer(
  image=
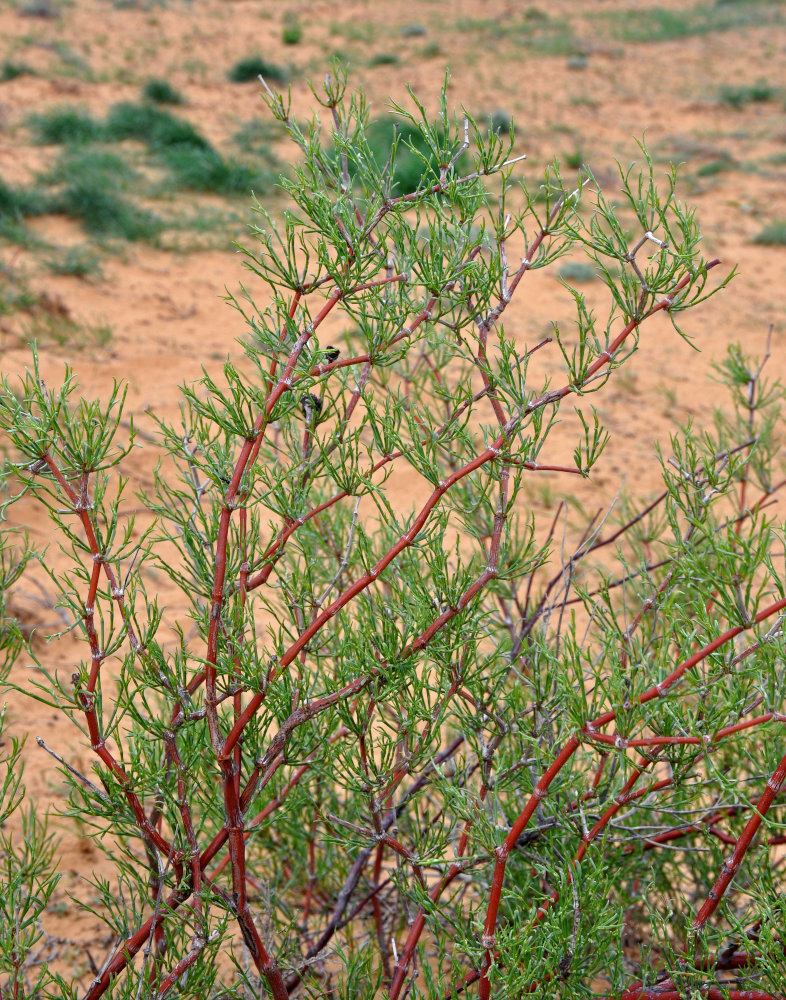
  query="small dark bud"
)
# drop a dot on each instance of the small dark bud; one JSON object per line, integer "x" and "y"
{"x": 331, "y": 353}
{"x": 311, "y": 405}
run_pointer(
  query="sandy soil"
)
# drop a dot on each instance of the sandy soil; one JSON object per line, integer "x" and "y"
{"x": 165, "y": 308}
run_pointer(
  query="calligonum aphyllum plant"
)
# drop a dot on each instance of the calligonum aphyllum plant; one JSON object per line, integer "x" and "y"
{"x": 363, "y": 725}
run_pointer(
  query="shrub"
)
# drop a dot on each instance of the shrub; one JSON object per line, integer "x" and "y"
{"x": 65, "y": 126}
{"x": 158, "y": 128}
{"x": 91, "y": 184}
{"x": 773, "y": 234}
{"x": 292, "y": 33}
{"x": 741, "y": 96}
{"x": 76, "y": 261}
{"x": 206, "y": 170}
{"x": 252, "y": 67}
{"x": 105, "y": 213}
{"x": 11, "y": 70}
{"x": 409, "y": 751}
{"x": 415, "y": 158}
{"x": 162, "y": 92}
{"x": 500, "y": 121}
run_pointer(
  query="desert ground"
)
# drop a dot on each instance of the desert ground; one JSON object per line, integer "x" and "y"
{"x": 703, "y": 83}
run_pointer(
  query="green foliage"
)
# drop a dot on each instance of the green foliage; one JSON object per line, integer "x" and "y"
{"x": 415, "y": 159}
{"x": 158, "y": 128}
{"x": 92, "y": 181}
{"x": 773, "y": 234}
{"x": 250, "y": 68}
{"x": 77, "y": 261}
{"x": 717, "y": 166}
{"x": 65, "y": 126}
{"x": 577, "y": 270}
{"x": 741, "y": 96}
{"x": 91, "y": 184}
{"x": 206, "y": 170}
{"x": 664, "y": 24}
{"x": 161, "y": 91}
{"x": 11, "y": 70}
{"x": 499, "y": 122}
{"x": 105, "y": 213}
{"x": 378, "y": 745}
{"x": 292, "y": 32}
{"x": 15, "y": 292}
{"x": 384, "y": 59}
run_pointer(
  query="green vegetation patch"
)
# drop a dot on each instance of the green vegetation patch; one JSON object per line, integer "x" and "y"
{"x": 65, "y": 126}
{"x": 414, "y": 162}
{"x": 773, "y": 235}
{"x": 755, "y": 93}
{"x": 662, "y": 24}
{"x": 534, "y": 30}
{"x": 292, "y": 33}
{"x": 11, "y": 70}
{"x": 252, "y": 67}
{"x": 162, "y": 92}
{"x": 88, "y": 184}
{"x": 154, "y": 126}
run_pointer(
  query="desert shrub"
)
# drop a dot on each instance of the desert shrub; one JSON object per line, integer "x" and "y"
{"x": 415, "y": 158}
{"x": 384, "y": 59}
{"x": 105, "y": 213}
{"x": 206, "y": 170}
{"x": 76, "y": 261}
{"x": 741, "y": 96}
{"x": 11, "y": 70}
{"x": 158, "y": 128}
{"x": 578, "y": 271}
{"x": 65, "y": 126}
{"x": 773, "y": 234}
{"x": 162, "y": 92}
{"x": 90, "y": 185}
{"x": 292, "y": 32}
{"x": 251, "y": 68}
{"x": 500, "y": 121}
{"x": 15, "y": 201}
{"x": 427, "y": 748}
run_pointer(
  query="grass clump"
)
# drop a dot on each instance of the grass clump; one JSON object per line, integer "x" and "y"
{"x": 291, "y": 33}
{"x": 414, "y": 163}
{"x": 75, "y": 261}
{"x": 91, "y": 185}
{"x": 773, "y": 235}
{"x": 55, "y": 326}
{"x": 430, "y": 50}
{"x": 251, "y": 67}
{"x": 384, "y": 59}
{"x": 661, "y": 24}
{"x": 256, "y": 137}
{"x": 717, "y": 166}
{"x": 500, "y": 122}
{"x": 65, "y": 126}
{"x": 741, "y": 97}
{"x": 201, "y": 169}
{"x": 15, "y": 204}
{"x": 106, "y": 214}
{"x": 11, "y": 70}
{"x": 15, "y": 293}
{"x": 159, "y": 91}
{"x": 157, "y": 128}
{"x": 577, "y": 271}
